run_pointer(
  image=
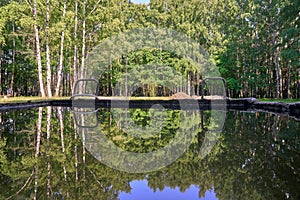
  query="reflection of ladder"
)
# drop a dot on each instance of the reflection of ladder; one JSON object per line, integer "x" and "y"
{"x": 211, "y": 134}
{"x": 219, "y": 92}
{"x": 83, "y": 103}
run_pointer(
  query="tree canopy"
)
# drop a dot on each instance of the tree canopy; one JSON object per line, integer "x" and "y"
{"x": 255, "y": 44}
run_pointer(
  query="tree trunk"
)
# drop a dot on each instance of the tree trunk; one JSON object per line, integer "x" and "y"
{"x": 83, "y": 41}
{"x": 256, "y": 64}
{"x": 126, "y": 76}
{"x": 75, "y": 61}
{"x": 112, "y": 93}
{"x": 189, "y": 83}
{"x": 61, "y": 122}
{"x": 38, "y": 50}
{"x": 75, "y": 152}
{"x": 47, "y": 151}
{"x": 83, "y": 146}
{"x": 48, "y": 63}
{"x": 1, "y": 87}
{"x": 120, "y": 70}
{"x": 39, "y": 131}
{"x": 298, "y": 71}
{"x": 11, "y": 88}
{"x": 37, "y": 150}
{"x": 278, "y": 78}
{"x": 289, "y": 81}
{"x": 61, "y": 57}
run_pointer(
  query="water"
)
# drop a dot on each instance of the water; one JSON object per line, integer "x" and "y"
{"x": 256, "y": 156}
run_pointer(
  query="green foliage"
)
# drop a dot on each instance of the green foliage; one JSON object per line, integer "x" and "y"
{"x": 242, "y": 37}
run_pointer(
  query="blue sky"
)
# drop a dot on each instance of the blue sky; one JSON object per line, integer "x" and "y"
{"x": 141, "y": 190}
{"x": 141, "y": 1}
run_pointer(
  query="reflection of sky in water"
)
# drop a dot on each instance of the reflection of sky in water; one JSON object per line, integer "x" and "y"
{"x": 140, "y": 190}
{"x": 141, "y": 1}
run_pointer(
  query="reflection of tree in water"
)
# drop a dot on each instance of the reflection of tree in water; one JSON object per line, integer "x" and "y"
{"x": 256, "y": 157}
{"x": 259, "y": 156}
{"x": 122, "y": 130}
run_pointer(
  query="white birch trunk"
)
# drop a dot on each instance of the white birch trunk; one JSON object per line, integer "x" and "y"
{"x": 38, "y": 50}
{"x": 39, "y": 131}
{"x": 37, "y": 150}
{"x": 83, "y": 41}
{"x": 49, "y": 111}
{"x": 61, "y": 57}
{"x": 48, "y": 63}
{"x": 13, "y": 63}
{"x": 61, "y": 123}
{"x": 75, "y": 153}
{"x": 75, "y": 42}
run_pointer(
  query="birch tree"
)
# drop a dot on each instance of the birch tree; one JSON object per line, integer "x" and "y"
{"x": 75, "y": 57}
{"x": 61, "y": 57}
{"x": 83, "y": 39}
{"x": 38, "y": 49}
{"x": 48, "y": 61}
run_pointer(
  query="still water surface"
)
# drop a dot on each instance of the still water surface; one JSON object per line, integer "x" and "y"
{"x": 257, "y": 156}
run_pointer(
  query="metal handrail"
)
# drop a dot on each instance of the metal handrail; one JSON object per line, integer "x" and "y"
{"x": 212, "y": 78}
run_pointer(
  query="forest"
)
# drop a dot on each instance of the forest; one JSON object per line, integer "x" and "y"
{"x": 255, "y": 44}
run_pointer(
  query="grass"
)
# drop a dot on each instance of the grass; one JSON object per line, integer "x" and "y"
{"x": 280, "y": 100}
{"x": 23, "y": 99}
